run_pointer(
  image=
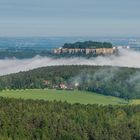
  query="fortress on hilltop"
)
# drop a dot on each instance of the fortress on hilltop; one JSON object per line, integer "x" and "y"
{"x": 88, "y": 47}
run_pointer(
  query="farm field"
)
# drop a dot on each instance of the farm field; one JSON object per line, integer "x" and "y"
{"x": 75, "y": 96}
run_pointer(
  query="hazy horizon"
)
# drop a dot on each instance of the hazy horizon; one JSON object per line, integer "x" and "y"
{"x": 69, "y": 18}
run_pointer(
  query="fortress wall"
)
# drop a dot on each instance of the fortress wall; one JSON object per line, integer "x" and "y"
{"x": 97, "y": 51}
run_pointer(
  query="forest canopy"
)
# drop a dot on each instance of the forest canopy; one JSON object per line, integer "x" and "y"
{"x": 43, "y": 120}
{"x": 88, "y": 44}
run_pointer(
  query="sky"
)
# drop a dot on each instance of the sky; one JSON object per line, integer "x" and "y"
{"x": 70, "y": 18}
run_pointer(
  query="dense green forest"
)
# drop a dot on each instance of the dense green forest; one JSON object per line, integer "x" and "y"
{"x": 115, "y": 81}
{"x": 88, "y": 44}
{"x": 43, "y": 120}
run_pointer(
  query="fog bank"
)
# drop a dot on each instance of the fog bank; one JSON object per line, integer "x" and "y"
{"x": 127, "y": 58}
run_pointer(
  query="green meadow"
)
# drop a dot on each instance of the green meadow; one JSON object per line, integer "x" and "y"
{"x": 135, "y": 101}
{"x": 75, "y": 96}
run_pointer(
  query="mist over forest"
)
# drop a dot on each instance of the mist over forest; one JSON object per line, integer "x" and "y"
{"x": 126, "y": 58}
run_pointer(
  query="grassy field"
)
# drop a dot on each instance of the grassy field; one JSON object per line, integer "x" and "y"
{"x": 82, "y": 97}
{"x": 135, "y": 102}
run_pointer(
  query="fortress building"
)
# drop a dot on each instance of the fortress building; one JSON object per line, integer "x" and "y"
{"x": 87, "y": 47}
{"x": 96, "y": 51}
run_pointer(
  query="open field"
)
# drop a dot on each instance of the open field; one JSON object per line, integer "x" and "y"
{"x": 135, "y": 102}
{"x": 75, "y": 96}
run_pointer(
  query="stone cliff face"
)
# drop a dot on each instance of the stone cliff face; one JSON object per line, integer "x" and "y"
{"x": 87, "y": 51}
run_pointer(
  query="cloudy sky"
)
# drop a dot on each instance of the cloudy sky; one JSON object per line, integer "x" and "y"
{"x": 69, "y": 18}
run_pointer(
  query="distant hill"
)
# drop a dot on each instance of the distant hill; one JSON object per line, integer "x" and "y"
{"x": 87, "y": 48}
{"x": 114, "y": 81}
{"x": 82, "y": 49}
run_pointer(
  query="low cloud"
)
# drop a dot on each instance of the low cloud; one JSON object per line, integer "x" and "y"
{"x": 127, "y": 58}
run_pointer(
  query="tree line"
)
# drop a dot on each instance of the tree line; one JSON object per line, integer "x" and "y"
{"x": 88, "y": 44}
{"x": 114, "y": 81}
